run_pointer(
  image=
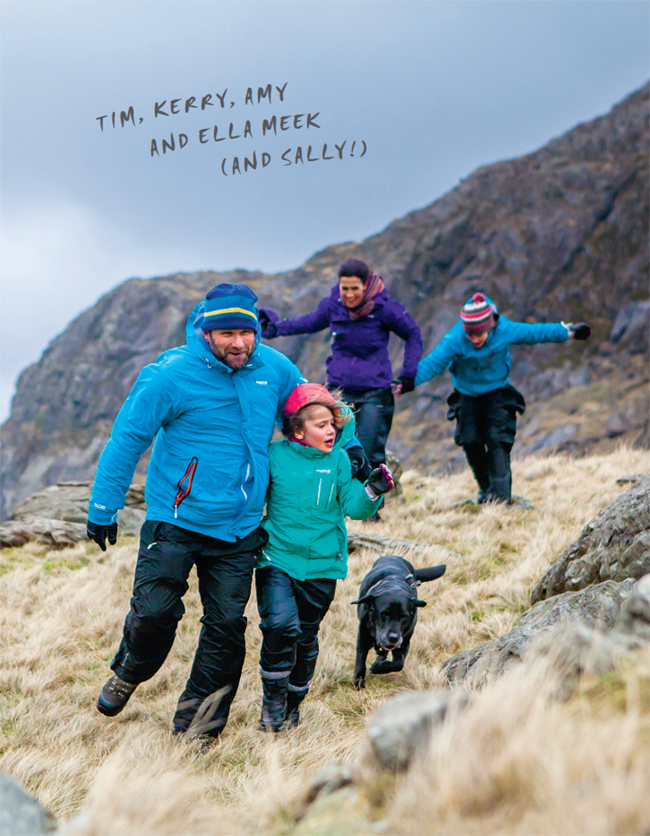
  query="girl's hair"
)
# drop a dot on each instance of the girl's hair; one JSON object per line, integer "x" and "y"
{"x": 355, "y": 267}
{"x": 296, "y": 421}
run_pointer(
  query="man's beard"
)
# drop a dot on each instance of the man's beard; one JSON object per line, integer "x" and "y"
{"x": 239, "y": 359}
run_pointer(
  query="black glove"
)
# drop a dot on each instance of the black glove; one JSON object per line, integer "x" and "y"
{"x": 380, "y": 481}
{"x": 99, "y": 533}
{"x": 408, "y": 384}
{"x": 359, "y": 462}
{"x": 267, "y": 318}
{"x": 578, "y": 330}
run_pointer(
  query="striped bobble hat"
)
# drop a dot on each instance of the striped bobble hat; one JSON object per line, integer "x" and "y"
{"x": 477, "y": 314}
{"x": 228, "y": 306}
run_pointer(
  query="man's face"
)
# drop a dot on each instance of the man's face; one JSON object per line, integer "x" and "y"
{"x": 233, "y": 346}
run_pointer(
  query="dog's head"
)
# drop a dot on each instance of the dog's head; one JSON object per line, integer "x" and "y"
{"x": 389, "y": 612}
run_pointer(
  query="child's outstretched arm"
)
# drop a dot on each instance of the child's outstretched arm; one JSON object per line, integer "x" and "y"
{"x": 355, "y": 497}
{"x": 524, "y": 333}
{"x": 437, "y": 360}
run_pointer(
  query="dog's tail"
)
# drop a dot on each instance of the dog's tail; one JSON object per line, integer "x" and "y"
{"x": 431, "y": 573}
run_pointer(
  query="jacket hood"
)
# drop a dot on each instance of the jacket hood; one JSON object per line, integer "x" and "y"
{"x": 198, "y": 344}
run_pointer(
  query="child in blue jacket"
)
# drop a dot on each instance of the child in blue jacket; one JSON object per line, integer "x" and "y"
{"x": 484, "y": 404}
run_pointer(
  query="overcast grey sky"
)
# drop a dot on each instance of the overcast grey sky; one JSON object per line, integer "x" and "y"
{"x": 433, "y": 89}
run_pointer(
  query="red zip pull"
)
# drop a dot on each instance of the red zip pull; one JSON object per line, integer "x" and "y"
{"x": 184, "y": 491}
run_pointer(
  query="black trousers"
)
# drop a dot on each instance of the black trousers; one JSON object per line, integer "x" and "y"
{"x": 485, "y": 429}
{"x": 225, "y": 571}
{"x": 373, "y": 410}
{"x": 291, "y": 613}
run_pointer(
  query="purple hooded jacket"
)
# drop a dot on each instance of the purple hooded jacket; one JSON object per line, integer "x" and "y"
{"x": 359, "y": 358}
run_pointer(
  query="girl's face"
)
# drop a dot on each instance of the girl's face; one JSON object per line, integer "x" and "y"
{"x": 319, "y": 429}
{"x": 351, "y": 288}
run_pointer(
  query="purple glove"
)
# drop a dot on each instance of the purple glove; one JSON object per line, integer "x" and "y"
{"x": 268, "y": 317}
{"x": 380, "y": 481}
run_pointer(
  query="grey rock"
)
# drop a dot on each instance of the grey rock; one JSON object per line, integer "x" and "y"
{"x": 401, "y": 729}
{"x": 615, "y": 545}
{"x": 634, "y": 617}
{"x": 596, "y": 608}
{"x": 20, "y": 813}
{"x": 56, "y": 516}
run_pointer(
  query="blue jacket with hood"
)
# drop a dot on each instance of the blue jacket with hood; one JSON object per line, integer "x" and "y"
{"x": 475, "y": 371}
{"x": 209, "y": 467}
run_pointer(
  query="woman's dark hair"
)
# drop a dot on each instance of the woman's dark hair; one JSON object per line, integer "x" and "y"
{"x": 355, "y": 267}
{"x": 296, "y": 421}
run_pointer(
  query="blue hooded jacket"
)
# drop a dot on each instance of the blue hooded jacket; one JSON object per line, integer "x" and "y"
{"x": 475, "y": 371}
{"x": 209, "y": 467}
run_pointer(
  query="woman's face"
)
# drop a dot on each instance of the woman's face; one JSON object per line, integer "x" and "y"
{"x": 351, "y": 288}
{"x": 319, "y": 429}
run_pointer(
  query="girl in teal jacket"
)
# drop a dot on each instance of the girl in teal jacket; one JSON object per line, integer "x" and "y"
{"x": 311, "y": 490}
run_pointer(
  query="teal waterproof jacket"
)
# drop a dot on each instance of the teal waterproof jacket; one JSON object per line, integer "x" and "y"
{"x": 309, "y": 496}
{"x": 475, "y": 371}
{"x": 209, "y": 467}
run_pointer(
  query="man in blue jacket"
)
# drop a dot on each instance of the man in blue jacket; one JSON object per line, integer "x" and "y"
{"x": 211, "y": 406}
{"x": 485, "y": 405}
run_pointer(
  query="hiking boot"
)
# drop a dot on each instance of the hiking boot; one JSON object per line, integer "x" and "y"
{"x": 292, "y": 718}
{"x": 274, "y": 703}
{"x": 114, "y": 696}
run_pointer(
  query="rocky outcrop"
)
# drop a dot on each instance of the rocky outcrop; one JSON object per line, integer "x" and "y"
{"x": 56, "y": 516}
{"x": 557, "y": 234}
{"x": 615, "y": 545}
{"x": 596, "y": 608}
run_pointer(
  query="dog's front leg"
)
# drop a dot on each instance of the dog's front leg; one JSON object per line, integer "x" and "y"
{"x": 364, "y": 643}
{"x": 399, "y": 655}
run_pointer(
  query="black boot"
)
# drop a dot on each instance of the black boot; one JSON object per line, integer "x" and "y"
{"x": 114, "y": 695}
{"x": 478, "y": 461}
{"x": 274, "y": 700}
{"x": 294, "y": 700}
{"x": 498, "y": 456}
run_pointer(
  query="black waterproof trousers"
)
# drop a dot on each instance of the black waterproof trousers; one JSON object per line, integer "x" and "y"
{"x": 225, "y": 571}
{"x": 485, "y": 429}
{"x": 291, "y": 613}
{"x": 373, "y": 410}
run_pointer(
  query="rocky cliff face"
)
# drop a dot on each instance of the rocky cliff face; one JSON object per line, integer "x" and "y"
{"x": 559, "y": 234}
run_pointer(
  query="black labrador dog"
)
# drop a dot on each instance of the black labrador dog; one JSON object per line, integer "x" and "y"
{"x": 387, "y": 612}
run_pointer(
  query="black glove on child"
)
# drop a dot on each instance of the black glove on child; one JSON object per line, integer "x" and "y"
{"x": 99, "y": 533}
{"x": 380, "y": 481}
{"x": 578, "y": 330}
{"x": 408, "y": 384}
{"x": 359, "y": 463}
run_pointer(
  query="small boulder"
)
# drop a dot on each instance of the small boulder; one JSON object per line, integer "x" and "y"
{"x": 401, "y": 729}
{"x": 20, "y": 813}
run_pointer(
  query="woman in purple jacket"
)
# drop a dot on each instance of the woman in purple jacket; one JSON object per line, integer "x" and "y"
{"x": 360, "y": 314}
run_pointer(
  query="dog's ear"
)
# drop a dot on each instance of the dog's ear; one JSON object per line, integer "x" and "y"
{"x": 365, "y": 600}
{"x": 419, "y": 603}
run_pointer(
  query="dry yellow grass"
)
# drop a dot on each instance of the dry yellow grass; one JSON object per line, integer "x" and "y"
{"x": 517, "y": 763}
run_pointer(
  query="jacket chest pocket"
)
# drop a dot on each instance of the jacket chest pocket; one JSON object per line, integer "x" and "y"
{"x": 324, "y": 489}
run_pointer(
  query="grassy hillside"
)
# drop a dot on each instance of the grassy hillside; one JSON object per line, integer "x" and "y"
{"x": 519, "y": 762}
